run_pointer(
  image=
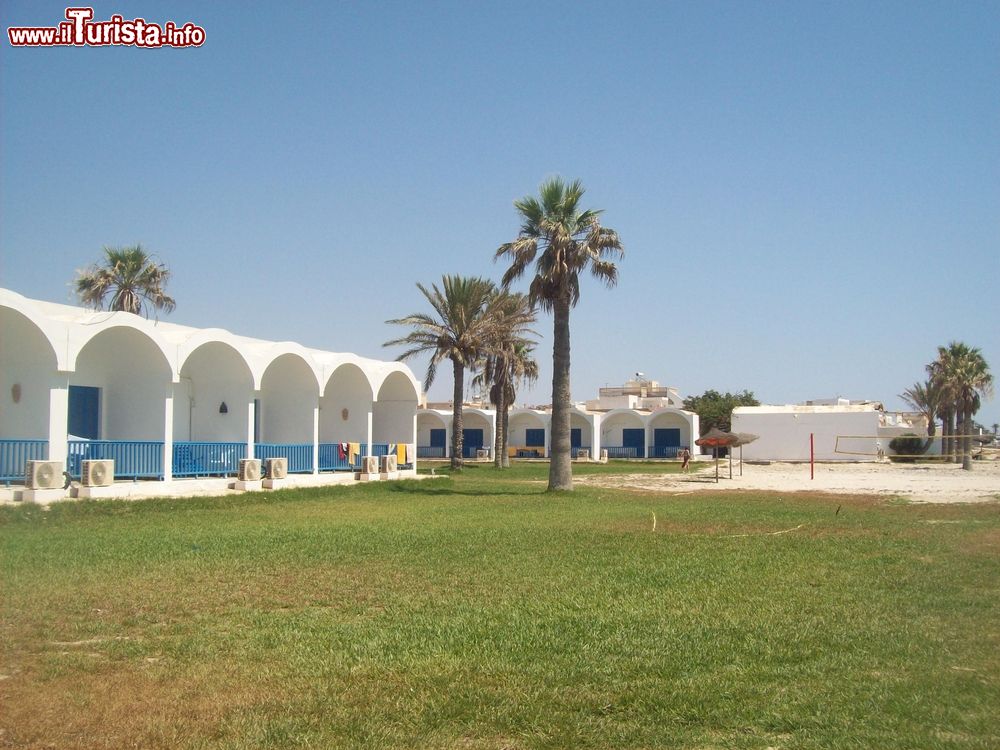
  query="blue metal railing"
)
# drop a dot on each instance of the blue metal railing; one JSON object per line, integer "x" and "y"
{"x": 134, "y": 459}
{"x": 330, "y": 458}
{"x": 618, "y": 451}
{"x": 197, "y": 459}
{"x": 664, "y": 451}
{"x": 299, "y": 455}
{"x": 14, "y": 454}
{"x": 430, "y": 451}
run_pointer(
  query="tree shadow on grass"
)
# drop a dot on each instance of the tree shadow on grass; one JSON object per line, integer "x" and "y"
{"x": 426, "y": 489}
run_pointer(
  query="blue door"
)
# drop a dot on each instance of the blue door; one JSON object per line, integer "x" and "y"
{"x": 472, "y": 440}
{"x": 576, "y": 438}
{"x": 635, "y": 439}
{"x": 84, "y": 412}
{"x": 666, "y": 441}
{"x": 438, "y": 442}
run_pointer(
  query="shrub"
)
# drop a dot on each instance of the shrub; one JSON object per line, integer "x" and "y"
{"x": 909, "y": 446}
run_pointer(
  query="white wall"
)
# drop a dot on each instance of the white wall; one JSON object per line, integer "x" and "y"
{"x": 289, "y": 396}
{"x": 213, "y": 374}
{"x": 30, "y": 364}
{"x": 670, "y": 420}
{"x": 784, "y": 436}
{"x": 426, "y": 422}
{"x": 347, "y": 389}
{"x": 612, "y": 426}
{"x": 518, "y": 426}
{"x": 134, "y": 379}
{"x": 394, "y": 411}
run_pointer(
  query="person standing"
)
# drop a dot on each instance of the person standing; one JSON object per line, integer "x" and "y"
{"x": 685, "y": 460}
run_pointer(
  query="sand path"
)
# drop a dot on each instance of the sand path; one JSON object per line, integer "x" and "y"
{"x": 926, "y": 483}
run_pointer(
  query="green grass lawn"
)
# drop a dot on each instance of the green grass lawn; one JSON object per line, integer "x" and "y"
{"x": 477, "y": 611}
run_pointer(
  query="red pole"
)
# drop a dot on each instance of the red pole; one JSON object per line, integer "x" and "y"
{"x": 812, "y": 457}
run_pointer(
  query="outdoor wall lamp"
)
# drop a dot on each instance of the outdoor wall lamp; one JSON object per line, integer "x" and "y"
{"x": 223, "y": 409}
{"x": 15, "y": 392}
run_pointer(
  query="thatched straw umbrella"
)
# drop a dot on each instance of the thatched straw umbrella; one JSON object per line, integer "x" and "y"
{"x": 716, "y": 438}
{"x": 742, "y": 438}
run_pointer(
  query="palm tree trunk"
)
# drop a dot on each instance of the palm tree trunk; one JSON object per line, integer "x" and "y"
{"x": 498, "y": 434}
{"x": 560, "y": 466}
{"x": 506, "y": 423}
{"x": 457, "y": 435}
{"x": 967, "y": 438}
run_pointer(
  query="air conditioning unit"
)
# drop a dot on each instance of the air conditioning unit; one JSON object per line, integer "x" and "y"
{"x": 482, "y": 453}
{"x": 388, "y": 464}
{"x": 276, "y": 468}
{"x": 583, "y": 454}
{"x": 97, "y": 473}
{"x": 369, "y": 464}
{"x": 249, "y": 469}
{"x": 43, "y": 475}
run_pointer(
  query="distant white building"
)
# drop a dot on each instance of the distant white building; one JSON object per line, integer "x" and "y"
{"x": 167, "y": 401}
{"x": 841, "y": 430}
{"x": 640, "y": 419}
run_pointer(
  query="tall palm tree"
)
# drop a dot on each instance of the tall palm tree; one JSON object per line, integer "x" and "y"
{"x": 561, "y": 240}
{"x": 132, "y": 279}
{"x": 509, "y": 363}
{"x": 461, "y": 329}
{"x": 968, "y": 379}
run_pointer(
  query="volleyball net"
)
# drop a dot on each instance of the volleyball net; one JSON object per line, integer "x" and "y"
{"x": 898, "y": 446}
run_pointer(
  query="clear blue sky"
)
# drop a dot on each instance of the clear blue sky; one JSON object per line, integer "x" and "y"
{"x": 808, "y": 193}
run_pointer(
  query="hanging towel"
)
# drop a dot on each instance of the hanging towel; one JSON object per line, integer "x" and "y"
{"x": 401, "y": 454}
{"x": 409, "y": 453}
{"x": 342, "y": 451}
{"x": 390, "y": 449}
{"x": 353, "y": 449}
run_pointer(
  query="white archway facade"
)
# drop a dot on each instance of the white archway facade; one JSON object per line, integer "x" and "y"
{"x": 529, "y": 433}
{"x": 433, "y": 433}
{"x": 163, "y": 399}
{"x": 670, "y": 430}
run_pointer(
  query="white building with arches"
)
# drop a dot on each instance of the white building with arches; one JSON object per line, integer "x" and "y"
{"x": 168, "y": 401}
{"x": 638, "y": 420}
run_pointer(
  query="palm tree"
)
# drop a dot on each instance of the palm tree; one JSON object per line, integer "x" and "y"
{"x": 461, "y": 329}
{"x": 927, "y": 398}
{"x": 132, "y": 279}
{"x": 561, "y": 239}
{"x": 510, "y": 362}
{"x": 968, "y": 379}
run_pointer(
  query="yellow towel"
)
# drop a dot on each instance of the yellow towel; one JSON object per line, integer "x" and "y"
{"x": 401, "y": 454}
{"x": 353, "y": 449}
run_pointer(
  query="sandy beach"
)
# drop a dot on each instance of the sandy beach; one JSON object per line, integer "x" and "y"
{"x": 923, "y": 483}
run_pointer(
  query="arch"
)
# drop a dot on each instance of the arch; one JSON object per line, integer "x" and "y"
{"x": 619, "y": 434}
{"x": 133, "y": 377}
{"x": 289, "y": 396}
{"x": 28, "y": 374}
{"x": 81, "y": 336}
{"x": 433, "y": 419}
{"x": 398, "y": 384}
{"x": 394, "y": 414}
{"x": 518, "y": 424}
{"x": 346, "y": 405}
{"x": 213, "y": 373}
{"x": 671, "y": 418}
{"x": 585, "y": 422}
{"x": 281, "y": 350}
{"x": 53, "y": 333}
{"x": 216, "y": 336}
{"x": 478, "y": 419}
